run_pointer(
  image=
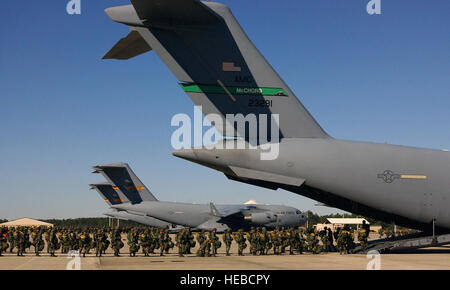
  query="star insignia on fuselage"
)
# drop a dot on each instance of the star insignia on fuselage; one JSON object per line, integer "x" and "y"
{"x": 388, "y": 176}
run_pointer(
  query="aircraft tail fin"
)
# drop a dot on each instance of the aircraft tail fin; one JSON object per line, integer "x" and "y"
{"x": 125, "y": 181}
{"x": 218, "y": 66}
{"x": 108, "y": 193}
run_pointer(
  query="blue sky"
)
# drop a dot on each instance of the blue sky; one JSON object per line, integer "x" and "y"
{"x": 381, "y": 78}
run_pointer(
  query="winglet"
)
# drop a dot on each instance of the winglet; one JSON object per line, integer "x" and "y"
{"x": 214, "y": 210}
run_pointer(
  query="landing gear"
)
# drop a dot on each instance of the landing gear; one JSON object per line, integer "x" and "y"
{"x": 434, "y": 240}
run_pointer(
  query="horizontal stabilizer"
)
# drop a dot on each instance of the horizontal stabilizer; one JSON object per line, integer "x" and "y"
{"x": 108, "y": 193}
{"x": 266, "y": 176}
{"x": 128, "y": 47}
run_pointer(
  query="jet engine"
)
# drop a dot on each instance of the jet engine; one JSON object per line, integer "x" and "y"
{"x": 261, "y": 218}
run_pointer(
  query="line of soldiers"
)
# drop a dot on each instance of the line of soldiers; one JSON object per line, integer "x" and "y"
{"x": 259, "y": 240}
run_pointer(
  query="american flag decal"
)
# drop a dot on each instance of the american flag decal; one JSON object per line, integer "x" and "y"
{"x": 229, "y": 67}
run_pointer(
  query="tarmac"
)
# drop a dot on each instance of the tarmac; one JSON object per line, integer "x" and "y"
{"x": 424, "y": 259}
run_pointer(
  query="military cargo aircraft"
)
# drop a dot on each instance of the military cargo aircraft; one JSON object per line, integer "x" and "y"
{"x": 111, "y": 197}
{"x": 221, "y": 70}
{"x": 139, "y": 201}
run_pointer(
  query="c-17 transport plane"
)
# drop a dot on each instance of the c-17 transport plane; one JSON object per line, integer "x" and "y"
{"x": 221, "y": 70}
{"x": 111, "y": 197}
{"x": 139, "y": 201}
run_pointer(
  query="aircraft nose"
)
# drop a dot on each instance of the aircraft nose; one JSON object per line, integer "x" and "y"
{"x": 187, "y": 154}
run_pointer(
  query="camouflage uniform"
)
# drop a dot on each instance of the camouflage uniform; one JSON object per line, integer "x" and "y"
{"x": 283, "y": 238}
{"x": 19, "y": 240}
{"x": 144, "y": 239}
{"x": 276, "y": 240}
{"x": 313, "y": 243}
{"x": 183, "y": 240}
{"x": 53, "y": 243}
{"x": 190, "y": 243}
{"x": 264, "y": 241}
{"x": 251, "y": 237}
{"x": 116, "y": 242}
{"x": 11, "y": 240}
{"x": 164, "y": 241}
{"x": 99, "y": 241}
{"x": 324, "y": 238}
{"x": 345, "y": 241}
{"x": 37, "y": 241}
{"x": 3, "y": 240}
{"x": 85, "y": 243}
{"x": 133, "y": 242}
{"x": 241, "y": 241}
{"x": 201, "y": 241}
{"x": 362, "y": 238}
{"x": 292, "y": 241}
{"x": 227, "y": 239}
{"x": 65, "y": 243}
{"x": 215, "y": 243}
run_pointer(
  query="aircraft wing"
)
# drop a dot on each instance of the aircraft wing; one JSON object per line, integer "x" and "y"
{"x": 224, "y": 211}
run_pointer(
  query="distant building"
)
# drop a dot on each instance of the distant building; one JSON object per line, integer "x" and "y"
{"x": 334, "y": 223}
{"x": 26, "y": 222}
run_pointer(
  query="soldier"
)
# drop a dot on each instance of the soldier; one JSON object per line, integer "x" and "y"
{"x": 11, "y": 240}
{"x": 65, "y": 243}
{"x": 85, "y": 243}
{"x": 241, "y": 242}
{"x": 207, "y": 246}
{"x": 330, "y": 239}
{"x": 292, "y": 240}
{"x": 107, "y": 242}
{"x": 190, "y": 242}
{"x": 283, "y": 238}
{"x": 201, "y": 238}
{"x": 349, "y": 243}
{"x": 301, "y": 241}
{"x": 264, "y": 242}
{"x": 133, "y": 242}
{"x": 3, "y": 240}
{"x": 276, "y": 240}
{"x": 227, "y": 239}
{"x": 99, "y": 241}
{"x": 74, "y": 242}
{"x": 324, "y": 238}
{"x": 53, "y": 243}
{"x": 363, "y": 235}
{"x": 164, "y": 241}
{"x": 251, "y": 237}
{"x": 26, "y": 237}
{"x": 116, "y": 242}
{"x": 344, "y": 241}
{"x": 313, "y": 242}
{"x": 145, "y": 241}
{"x": 37, "y": 241}
{"x": 215, "y": 243}
{"x": 184, "y": 239}
{"x": 19, "y": 240}
{"x": 155, "y": 243}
